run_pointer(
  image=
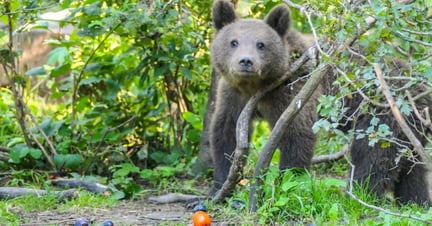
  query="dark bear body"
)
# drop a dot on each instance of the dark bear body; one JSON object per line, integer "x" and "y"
{"x": 249, "y": 55}
{"x": 376, "y": 167}
{"x": 377, "y": 170}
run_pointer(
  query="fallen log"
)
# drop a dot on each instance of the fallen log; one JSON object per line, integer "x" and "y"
{"x": 14, "y": 192}
{"x": 77, "y": 183}
{"x": 174, "y": 197}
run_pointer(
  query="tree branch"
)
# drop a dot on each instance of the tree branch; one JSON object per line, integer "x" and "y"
{"x": 289, "y": 114}
{"x": 426, "y": 122}
{"x": 353, "y": 196}
{"x": 242, "y": 128}
{"x": 284, "y": 121}
{"x": 331, "y": 157}
{"x": 418, "y": 147}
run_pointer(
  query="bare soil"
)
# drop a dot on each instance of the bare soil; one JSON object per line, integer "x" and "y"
{"x": 137, "y": 212}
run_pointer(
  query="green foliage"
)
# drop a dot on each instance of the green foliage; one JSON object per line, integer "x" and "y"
{"x": 127, "y": 90}
{"x": 28, "y": 203}
{"x": 122, "y": 86}
{"x": 301, "y": 199}
{"x": 400, "y": 32}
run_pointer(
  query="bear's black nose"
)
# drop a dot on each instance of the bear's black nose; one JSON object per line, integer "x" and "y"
{"x": 246, "y": 61}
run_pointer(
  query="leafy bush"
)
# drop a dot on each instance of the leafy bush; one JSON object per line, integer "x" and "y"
{"x": 122, "y": 85}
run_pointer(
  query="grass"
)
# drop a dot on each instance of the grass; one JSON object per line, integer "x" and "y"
{"x": 10, "y": 209}
{"x": 305, "y": 200}
{"x": 290, "y": 198}
{"x": 317, "y": 197}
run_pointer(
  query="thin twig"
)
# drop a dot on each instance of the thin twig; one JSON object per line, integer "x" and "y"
{"x": 417, "y": 32}
{"x": 242, "y": 128}
{"x": 425, "y": 122}
{"x": 404, "y": 37}
{"x": 36, "y": 124}
{"x": 282, "y": 123}
{"x": 331, "y": 157}
{"x": 289, "y": 114}
{"x": 418, "y": 147}
{"x": 380, "y": 209}
{"x": 97, "y": 149}
{"x": 81, "y": 74}
{"x": 302, "y": 9}
{"x": 18, "y": 100}
{"x": 359, "y": 91}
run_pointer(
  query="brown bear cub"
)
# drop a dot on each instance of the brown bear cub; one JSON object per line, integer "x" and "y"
{"x": 377, "y": 167}
{"x": 248, "y": 55}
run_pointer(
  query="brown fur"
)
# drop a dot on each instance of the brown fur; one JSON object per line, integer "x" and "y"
{"x": 245, "y": 68}
{"x": 375, "y": 167}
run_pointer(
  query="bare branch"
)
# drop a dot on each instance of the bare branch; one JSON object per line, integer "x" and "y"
{"x": 404, "y": 37}
{"x": 426, "y": 122}
{"x": 284, "y": 121}
{"x": 353, "y": 196}
{"x": 417, "y": 32}
{"x": 423, "y": 94}
{"x": 36, "y": 124}
{"x": 79, "y": 183}
{"x": 102, "y": 140}
{"x": 418, "y": 147}
{"x": 359, "y": 91}
{"x": 242, "y": 128}
{"x": 19, "y": 103}
{"x": 331, "y": 157}
{"x": 289, "y": 114}
{"x": 302, "y": 9}
{"x": 78, "y": 79}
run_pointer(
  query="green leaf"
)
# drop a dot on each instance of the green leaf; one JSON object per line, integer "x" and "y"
{"x": 118, "y": 195}
{"x": 126, "y": 169}
{"x": 93, "y": 67}
{"x": 58, "y": 55}
{"x": 160, "y": 71}
{"x": 50, "y": 127}
{"x": 18, "y": 152}
{"x": 36, "y": 71}
{"x": 186, "y": 73}
{"x": 194, "y": 119}
{"x": 333, "y": 212}
{"x": 90, "y": 80}
{"x": 334, "y": 182}
{"x": 289, "y": 185}
{"x": 68, "y": 161}
{"x": 35, "y": 153}
{"x": 282, "y": 201}
{"x": 158, "y": 156}
{"x": 165, "y": 171}
{"x": 60, "y": 70}
{"x": 5, "y": 55}
{"x": 146, "y": 173}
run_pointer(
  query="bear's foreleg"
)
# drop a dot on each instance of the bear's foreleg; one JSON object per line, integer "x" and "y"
{"x": 223, "y": 131}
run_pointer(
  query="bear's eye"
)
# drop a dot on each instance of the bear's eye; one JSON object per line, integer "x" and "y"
{"x": 260, "y": 45}
{"x": 234, "y": 43}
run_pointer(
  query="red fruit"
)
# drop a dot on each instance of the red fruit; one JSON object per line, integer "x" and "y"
{"x": 201, "y": 218}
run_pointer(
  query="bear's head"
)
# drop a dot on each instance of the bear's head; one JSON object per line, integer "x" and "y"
{"x": 249, "y": 53}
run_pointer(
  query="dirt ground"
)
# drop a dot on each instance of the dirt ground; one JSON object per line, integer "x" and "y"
{"x": 138, "y": 212}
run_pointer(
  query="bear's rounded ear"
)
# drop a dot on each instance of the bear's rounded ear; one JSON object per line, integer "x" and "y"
{"x": 223, "y": 14}
{"x": 279, "y": 19}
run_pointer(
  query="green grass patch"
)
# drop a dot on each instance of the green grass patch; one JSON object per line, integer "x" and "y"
{"x": 10, "y": 209}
